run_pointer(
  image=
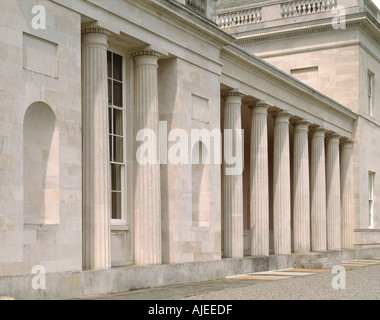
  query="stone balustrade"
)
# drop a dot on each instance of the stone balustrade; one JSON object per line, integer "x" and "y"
{"x": 296, "y": 8}
{"x": 239, "y": 18}
{"x": 251, "y": 14}
{"x": 197, "y": 6}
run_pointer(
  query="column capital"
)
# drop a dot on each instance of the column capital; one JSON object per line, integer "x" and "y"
{"x": 145, "y": 53}
{"x": 233, "y": 93}
{"x": 301, "y": 124}
{"x": 347, "y": 142}
{"x": 95, "y": 30}
{"x": 282, "y": 116}
{"x": 94, "y": 36}
{"x": 333, "y": 137}
{"x": 260, "y": 107}
{"x": 319, "y": 132}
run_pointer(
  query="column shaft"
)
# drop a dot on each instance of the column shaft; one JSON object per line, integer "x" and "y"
{"x": 318, "y": 191}
{"x": 96, "y": 177}
{"x": 333, "y": 212}
{"x": 259, "y": 193}
{"x": 233, "y": 184}
{"x": 347, "y": 194}
{"x": 301, "y": 185}
{"x": 281, "y": 185}
{"x": 148, "y": 191}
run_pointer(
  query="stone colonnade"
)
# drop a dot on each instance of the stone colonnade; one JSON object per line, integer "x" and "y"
{"x": 96, "y": 175}
{"x": 318, "y": 200}
{"x": 322, "y": 211}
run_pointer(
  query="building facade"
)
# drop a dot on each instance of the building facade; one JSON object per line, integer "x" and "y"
{"x": 114, "y": 140}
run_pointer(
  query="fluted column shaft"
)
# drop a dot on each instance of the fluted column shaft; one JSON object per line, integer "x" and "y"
{"x": 96, "y": 177}
{"x": 148, "y": 248}
{"x": 318, "y": 191}
{"x": 233, "y": 184}
{"x": 301, "y": 188}
{"x": 333, "y": 212}
{"x": 259, "y": 193}
{"x": 347, "y": 194}
{"x": 281, "y": 185}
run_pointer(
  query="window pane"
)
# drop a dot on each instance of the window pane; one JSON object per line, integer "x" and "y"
{"x": 117, "y": 94}
{"x": 110, "y": 128}
{"x": 118, "y": 122}
{"x": 109, "y": 92}
{"x": 111, "y": 148}
{"x": 117, "y": 67}
{"x": 109, "y": 64}
{"x": 116, "y": 177}
{"x": 116, "y": 205}
{"x": 118, "y": 149}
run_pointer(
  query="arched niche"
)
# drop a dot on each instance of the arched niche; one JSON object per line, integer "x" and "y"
{"x": 200, "y": 185}
{"x": 41, "y": 165}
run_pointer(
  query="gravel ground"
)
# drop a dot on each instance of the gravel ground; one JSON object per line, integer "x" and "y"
{"x": 361, "y": 284}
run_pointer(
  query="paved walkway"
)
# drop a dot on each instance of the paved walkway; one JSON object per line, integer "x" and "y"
{"x": 362, "y": 282}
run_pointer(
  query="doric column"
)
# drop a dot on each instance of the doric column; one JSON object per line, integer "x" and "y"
{"x": 96, "y": 177}
{"x": 259, "y": 193}
{"x": 333, "y": 213}
{"x": 318, "y": 191}
{"x": 233, "y": 184}
{"x": 347, "y": 193}
{"x": 281, "y": 185}
{"x": 147, "y": 192}
{"x": 301, "y": 187}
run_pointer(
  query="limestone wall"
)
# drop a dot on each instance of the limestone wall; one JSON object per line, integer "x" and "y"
{"x": 40, "y": 140}
{"x": 191, "y": 206}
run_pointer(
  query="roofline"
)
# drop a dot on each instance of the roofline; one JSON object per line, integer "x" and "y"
{"x": 295, "y": 83}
